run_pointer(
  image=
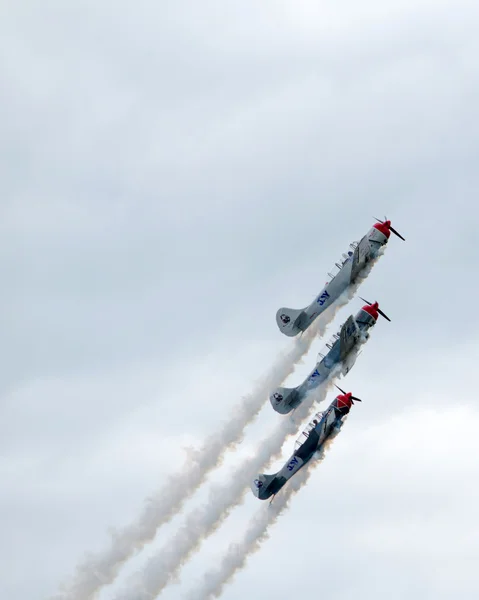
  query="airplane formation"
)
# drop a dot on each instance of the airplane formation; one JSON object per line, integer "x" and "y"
{"x": 342, "y": 352}
{"x": 293, "y": 405}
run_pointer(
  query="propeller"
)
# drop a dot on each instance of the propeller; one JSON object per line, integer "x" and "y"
{"x": 345, "y": 393}
{"x": 391, "y": 228}
{"x": 377, "y": 308}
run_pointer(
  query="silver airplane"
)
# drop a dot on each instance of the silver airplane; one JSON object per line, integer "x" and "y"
{"x": 310, "y": 441}
{"x": 344, "y": 350}
{"x": 293, "y": 321}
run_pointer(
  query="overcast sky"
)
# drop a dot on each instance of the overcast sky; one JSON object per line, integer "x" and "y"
{"x": 171, "y": 174}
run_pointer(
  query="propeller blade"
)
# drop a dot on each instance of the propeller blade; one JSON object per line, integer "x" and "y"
{"x": 355, "y": 398}
{"x": 384, "y": 315}
{"x": 390, "y": 228}
{"x": 397, "y": 233}
{"x": 379, "y": 310}
{"x": 342, "y": 391}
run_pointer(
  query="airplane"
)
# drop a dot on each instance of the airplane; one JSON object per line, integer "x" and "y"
{"x": 343, "y": 350}
{"x": 310, "y": 441}
{"x": 292, "y": 321}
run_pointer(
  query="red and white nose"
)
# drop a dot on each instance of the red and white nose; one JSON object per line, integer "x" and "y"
{"x": 344, "y": 400}
{"x": 384, "y": 228}
{"x": 372, "y": 309}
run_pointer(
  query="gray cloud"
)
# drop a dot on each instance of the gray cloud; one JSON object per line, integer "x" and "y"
{"x": 170, "y": 176}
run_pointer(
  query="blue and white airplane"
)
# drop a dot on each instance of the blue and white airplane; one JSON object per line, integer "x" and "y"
{"x": 344, "y": 350}
{"x": 293, "y": 321}
{"x": 308, "y": 444}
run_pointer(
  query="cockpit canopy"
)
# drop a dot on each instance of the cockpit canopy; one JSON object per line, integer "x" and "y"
{"x": 333, "y": 343}
{"x": 344, "y": 258}
{"x": 304, "y": 436}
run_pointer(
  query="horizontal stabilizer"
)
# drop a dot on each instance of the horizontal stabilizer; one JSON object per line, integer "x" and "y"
{"x": 283, "y": 400}
{"x": 259, "y": 486}
{"x": 289, "y": 321}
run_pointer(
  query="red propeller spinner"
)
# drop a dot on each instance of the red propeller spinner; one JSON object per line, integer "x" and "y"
{"x": 385, "y": 228}
{"x": 346, "y": 399}
{"x": 374, "y": 310}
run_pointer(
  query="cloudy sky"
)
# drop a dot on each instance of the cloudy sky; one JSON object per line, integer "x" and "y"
{"x": 171, "y": 174}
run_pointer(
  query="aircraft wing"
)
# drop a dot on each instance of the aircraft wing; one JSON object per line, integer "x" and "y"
{"x": 348, "y": 336}
{"x": 360, "y": 256}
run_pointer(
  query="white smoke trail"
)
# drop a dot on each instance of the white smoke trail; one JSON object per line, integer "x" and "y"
{"x": 202, "y": 522}
{"x": 258, "y": 531}
{"x": 97, "y": 571}
{"x": 100, "y": 570}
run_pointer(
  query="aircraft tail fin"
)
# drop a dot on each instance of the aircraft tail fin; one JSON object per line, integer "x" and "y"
{"x": 283, "y": 400}
{"x": 289, "y": 321}
{"x": 260, "y": 485}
